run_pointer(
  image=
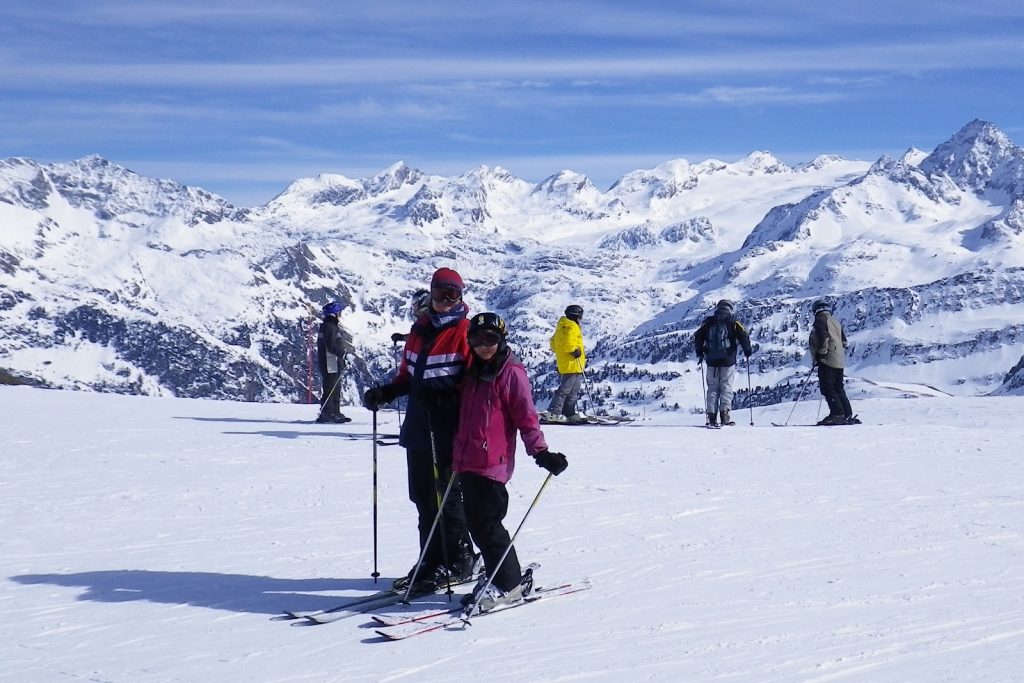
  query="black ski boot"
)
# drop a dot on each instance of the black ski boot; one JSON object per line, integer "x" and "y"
{"x": 463, "y": 563}
{"x": 428, "y": 580}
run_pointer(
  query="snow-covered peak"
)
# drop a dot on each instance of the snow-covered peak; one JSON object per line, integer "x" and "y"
{"x": 760, "y": 162}
{"x": 484, "y": 176}
{"x": 821, "y": 161}
{"x": 112, "y": 191}
{"x": 565, "y": 184}
{"x": 979, "y": 156}
{"x": 662, "y": 182}
{"x": 392, "y": 178}
{"x": 913, "y": 156}
{"x": 326, "y": 188}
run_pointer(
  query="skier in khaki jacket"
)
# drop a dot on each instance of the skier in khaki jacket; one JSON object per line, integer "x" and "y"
{"x": 827, "y": 343}
{"x": 567, "y": 343}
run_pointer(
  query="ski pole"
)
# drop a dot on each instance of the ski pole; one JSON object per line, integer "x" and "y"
{"x": 398, "y": 363}
{"x": 750, "y": 394}
{"x": 587, "y": 385}
{"x": 375, "y": 573}
{"x": 323, "y": 403}
{"x": 426, "y": 546}
{"x": 703, "y": 391}
{"x": 800, "y": 393}
{"x": 309, "y": 361}
{"x": 469, "y": 612}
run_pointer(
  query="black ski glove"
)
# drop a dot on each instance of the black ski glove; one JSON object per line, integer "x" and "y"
{"x": 375, "y": 397}
{"x": 576, "y": 353}
{"x": 397, "y": 337}
{"x": 555, "y": 463}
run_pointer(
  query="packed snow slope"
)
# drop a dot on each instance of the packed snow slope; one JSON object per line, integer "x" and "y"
{"x": 115, "y": 282}
{"x": 153, "y": 539}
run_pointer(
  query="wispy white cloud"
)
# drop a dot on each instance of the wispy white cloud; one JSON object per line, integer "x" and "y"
{"x": 887, "y": 58}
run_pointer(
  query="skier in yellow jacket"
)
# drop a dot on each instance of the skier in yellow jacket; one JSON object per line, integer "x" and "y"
{"x": 567, "y": 343}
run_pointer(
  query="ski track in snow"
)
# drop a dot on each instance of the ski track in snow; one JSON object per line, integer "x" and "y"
{"x": 153, "y": 540}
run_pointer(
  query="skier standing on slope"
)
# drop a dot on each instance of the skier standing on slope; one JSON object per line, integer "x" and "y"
{"x": 827, "y": 343}
{"x": 419, "y": 305}
{"x": 435, "y": 357}
{"x": 330, "y": 355}
{"x": 716, "y": 341}
{"x": 571, "y": 358}
{"x": 497, "y": 402}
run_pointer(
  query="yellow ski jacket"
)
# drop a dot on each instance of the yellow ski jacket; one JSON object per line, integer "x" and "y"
{"x": 566, "y": 339}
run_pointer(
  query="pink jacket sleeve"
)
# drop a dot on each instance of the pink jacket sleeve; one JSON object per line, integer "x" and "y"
{"x": 523, "y": 412}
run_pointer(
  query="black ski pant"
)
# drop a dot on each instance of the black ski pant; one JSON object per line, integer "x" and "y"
{"x": 425, "y": 495}
{"x": 830, "y": 381}
{"x": 330, "y": 400}
{"x": 486, "y": 507}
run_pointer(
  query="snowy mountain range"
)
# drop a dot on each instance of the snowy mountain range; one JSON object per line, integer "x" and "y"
{"x": 111, "y": 281}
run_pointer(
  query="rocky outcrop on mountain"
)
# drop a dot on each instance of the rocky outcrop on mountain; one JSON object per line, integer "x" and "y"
{"x": 1013, "y": 383}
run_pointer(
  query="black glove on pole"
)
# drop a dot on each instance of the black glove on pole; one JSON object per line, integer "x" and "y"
{"x": 555, "y": 463}
{"x": 373, "y": 398}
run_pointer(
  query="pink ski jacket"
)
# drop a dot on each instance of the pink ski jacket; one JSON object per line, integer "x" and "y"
{"x": 490, "y": 413}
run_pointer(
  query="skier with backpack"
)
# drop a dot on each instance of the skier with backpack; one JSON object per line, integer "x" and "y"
{"x": 497, "y": 402}
{"x": 330, "y": 355}
{"x": 716, "y": 341}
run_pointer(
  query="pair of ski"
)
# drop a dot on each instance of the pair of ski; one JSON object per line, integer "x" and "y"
{"x": 844, "y": 424}
{"x": 590, "y": 420}
{"x": 400, "y": 627}
{"x": 363, "y": 605}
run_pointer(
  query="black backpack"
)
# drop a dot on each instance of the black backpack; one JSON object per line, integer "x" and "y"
{"x": 720, "y": 345}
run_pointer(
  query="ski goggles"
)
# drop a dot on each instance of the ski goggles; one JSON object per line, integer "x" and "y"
{"x": 447, "y": 295}
{"x": 484, "y": 338}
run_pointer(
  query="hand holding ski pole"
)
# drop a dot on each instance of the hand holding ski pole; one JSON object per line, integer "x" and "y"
{"x": 555, "y": 463}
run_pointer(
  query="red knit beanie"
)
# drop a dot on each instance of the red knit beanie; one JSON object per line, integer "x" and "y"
{"x": 446, "y": 277}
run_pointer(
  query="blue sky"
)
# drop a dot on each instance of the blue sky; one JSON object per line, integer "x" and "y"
{"x": 241, "y": 98}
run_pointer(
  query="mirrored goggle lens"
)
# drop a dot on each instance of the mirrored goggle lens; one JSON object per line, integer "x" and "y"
{"x": 445, "y": 294}
{"x": 487, "y": 338}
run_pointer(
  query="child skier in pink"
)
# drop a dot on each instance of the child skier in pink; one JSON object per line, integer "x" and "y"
{"x": 497, "y": 402}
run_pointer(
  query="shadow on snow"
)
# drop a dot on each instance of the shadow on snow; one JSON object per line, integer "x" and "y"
{"x": 228, "y": 592}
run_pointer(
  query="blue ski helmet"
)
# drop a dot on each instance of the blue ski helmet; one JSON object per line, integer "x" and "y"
{"x": 333, "y": 308}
